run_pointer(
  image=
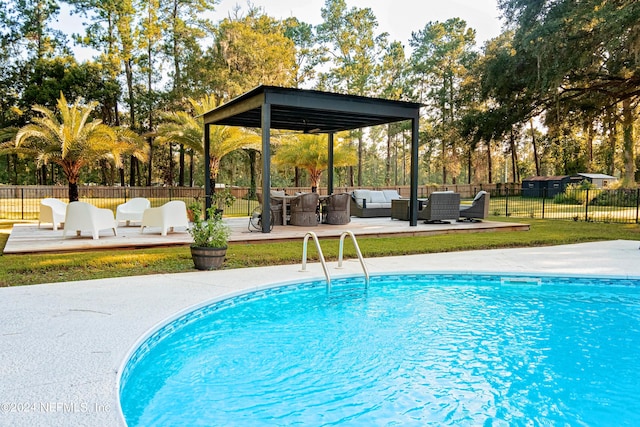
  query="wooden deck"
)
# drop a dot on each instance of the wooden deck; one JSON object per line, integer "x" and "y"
{"x": 28, "y": 238}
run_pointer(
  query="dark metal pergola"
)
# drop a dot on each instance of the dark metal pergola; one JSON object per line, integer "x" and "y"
{"x": 310, "y": 111}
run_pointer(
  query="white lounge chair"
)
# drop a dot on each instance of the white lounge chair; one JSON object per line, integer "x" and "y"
{"x": 171, "y": 214}
{"x": 83, "y": 216}
{"x": 132, "y": 210}
{"x": 52, "y": 211}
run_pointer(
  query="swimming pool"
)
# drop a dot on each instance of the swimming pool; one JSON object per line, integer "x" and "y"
{"x": 415, "y": 349}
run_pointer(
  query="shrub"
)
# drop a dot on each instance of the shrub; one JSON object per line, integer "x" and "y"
{"x": 574, "y": 194}
{"x": 567, "y": 199}
{"x": 623, "y": 197}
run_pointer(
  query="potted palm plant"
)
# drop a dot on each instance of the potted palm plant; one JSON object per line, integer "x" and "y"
{"x": 210, "y": 238}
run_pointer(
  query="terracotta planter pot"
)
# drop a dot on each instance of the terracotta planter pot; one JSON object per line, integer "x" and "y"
{"x": 208, "y": 258}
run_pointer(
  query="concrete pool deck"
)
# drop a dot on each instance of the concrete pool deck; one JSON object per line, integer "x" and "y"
{"x": 63, "y": 344}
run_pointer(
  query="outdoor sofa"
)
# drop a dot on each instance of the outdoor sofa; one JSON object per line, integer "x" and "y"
{"x": 372, "y": 203}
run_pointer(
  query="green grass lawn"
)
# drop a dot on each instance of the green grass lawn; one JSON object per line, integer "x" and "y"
{"x": 16, "y": 270}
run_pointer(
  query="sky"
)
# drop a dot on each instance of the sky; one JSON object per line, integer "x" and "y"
{"x": 397, "y": 17}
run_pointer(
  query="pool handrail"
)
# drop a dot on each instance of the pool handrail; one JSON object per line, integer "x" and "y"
{"x": 340, "y": 253}
{"x": 355, "y": 244}
{"x": 320, "y": 255}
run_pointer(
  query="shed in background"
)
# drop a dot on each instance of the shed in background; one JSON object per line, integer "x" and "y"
{"x": 548, "y": 186}
{"x": 600, "y": 180}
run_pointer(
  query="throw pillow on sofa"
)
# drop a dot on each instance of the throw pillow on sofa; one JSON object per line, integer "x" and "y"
{"x": 390, "y": 195}
{"x": 378, "y": 197}
{"x": 359, "y": 195}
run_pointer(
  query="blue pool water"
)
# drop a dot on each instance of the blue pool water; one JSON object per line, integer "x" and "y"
{"x": 415, "y": 349}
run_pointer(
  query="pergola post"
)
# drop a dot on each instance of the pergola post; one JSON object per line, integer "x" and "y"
{"x": 413, "y": 202}
{"x": 266, "y": 166}
{"x": 330, "y": 164}
{"x": 207, "y": 170}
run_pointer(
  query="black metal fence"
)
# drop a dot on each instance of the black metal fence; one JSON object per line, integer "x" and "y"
{"x": 23, "y": 202}
{"x": 621, "y": 206}
{"x": 592, "y": 205}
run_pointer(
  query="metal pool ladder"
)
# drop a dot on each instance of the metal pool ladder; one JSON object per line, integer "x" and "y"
{"x": 340, "y": 253}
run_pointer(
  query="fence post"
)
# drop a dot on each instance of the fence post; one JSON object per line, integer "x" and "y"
{"x": 544, "y": 197}
{"x": 506, "y": 202}
{"x": 637, "y": 203}
{"x": 22, "y": 202}
{"x": 586, "y": 206}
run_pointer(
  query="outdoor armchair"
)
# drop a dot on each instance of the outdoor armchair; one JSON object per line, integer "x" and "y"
{"x": 81, "y": 216}
{"x": 440, "y": 207}
{"x": 304, "y": 210}
{"x": 167, "y": 217}
{"x": 276, "y": 205}
{"x": 479, "y": 209}
{"x": 336, "y": 209}
{"x": 52, "y": 211}
{"x": 132, "y": 210}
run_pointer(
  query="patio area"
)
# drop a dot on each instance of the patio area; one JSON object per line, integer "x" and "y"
{"x": 28, "y": 238}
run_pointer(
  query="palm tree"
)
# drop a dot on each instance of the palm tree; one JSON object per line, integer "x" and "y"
{"x": 67, "y": 139}
{"x": 310, "y": 152}
{"x": 187, "y": 129}
{"x": 128, "y": 144}
{"x": 7, "y": 137}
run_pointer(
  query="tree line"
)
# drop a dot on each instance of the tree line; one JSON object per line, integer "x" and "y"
{"x": 556, "y": 93}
